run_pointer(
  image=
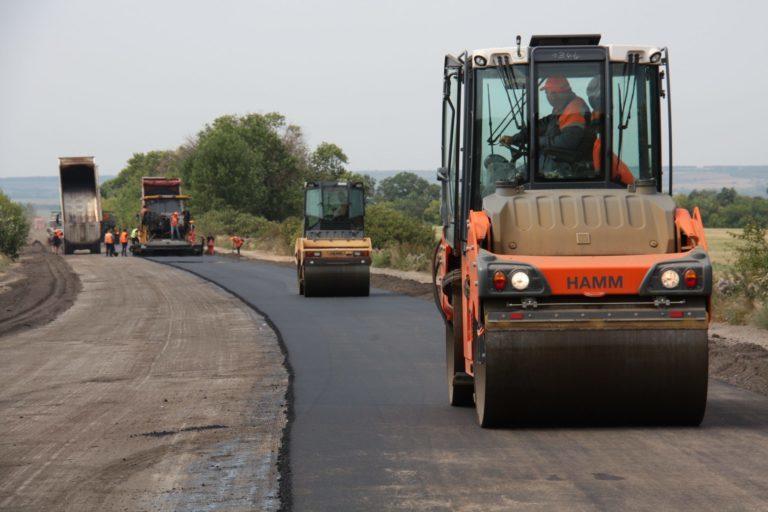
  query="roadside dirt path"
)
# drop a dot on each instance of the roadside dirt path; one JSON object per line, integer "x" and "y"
{"x": 36, "y": 290}
{"x": 154, "y": 391}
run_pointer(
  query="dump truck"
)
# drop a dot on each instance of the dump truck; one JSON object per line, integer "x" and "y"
{"x": 80, "y": 204}
{"x": 161, "y": 200}
{"x": 572, "y": 288}
{"x": 333, "y": 257}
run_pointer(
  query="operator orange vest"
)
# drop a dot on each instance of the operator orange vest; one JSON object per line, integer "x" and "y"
{"x": 109, "y": 239}
{"x": 618, "y": 168}
{"x": 573, "y": 114}
{"x": 174, "y": 219}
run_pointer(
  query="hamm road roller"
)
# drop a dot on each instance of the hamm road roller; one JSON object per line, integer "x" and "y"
{"x": 572, "y": 288}
{"x": 333, "y": 258}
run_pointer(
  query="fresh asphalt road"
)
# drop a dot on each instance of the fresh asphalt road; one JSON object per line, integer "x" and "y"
{"x": 373, "y": 429}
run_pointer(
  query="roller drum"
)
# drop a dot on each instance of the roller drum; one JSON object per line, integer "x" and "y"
{"x": 336, "y": 280}
{"x": 654, "y": 376}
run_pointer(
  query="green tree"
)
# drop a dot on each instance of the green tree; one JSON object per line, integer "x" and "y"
{"x": 250, "y": 163}
{"x": 327, "y": 163}
{"x": 122, "y": 194}
{"x": 410, "y": 193}
{"x": 14, "y": 227}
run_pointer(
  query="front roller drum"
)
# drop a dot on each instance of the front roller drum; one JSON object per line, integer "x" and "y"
{"x": 336, "y": 280}
{"x": 654, "y": 376}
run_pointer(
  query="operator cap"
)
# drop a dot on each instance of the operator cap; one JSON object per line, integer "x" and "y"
{"x": 556, "y": 83}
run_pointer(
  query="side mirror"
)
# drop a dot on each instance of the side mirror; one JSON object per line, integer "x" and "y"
{"x": 442, "y": 174}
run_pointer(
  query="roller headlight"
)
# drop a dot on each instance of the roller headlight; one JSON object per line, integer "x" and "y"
{"x": 519, "y": 280}
{"x": 670, "y": 279}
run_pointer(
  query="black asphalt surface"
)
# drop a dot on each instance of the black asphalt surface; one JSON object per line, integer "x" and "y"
{"x": 373, "y": 429}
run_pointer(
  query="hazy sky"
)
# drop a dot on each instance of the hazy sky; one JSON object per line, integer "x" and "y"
{"x": 110, "y": 78}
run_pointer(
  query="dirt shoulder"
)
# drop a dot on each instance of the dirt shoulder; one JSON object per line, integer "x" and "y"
{"x": 738, "y": 354}
{"x": 155, "y": 391}
{"x": 36, "y": 289}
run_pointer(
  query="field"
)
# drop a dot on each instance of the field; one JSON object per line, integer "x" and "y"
{"x": 721, "y": 246}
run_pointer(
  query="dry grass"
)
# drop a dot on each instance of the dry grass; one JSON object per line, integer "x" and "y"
{"x": 5, "y": 262}
{"x": 721, "y": 245}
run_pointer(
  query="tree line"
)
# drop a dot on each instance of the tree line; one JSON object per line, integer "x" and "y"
{"x": 726, "y": 208}
{"x": 246, "y": 174}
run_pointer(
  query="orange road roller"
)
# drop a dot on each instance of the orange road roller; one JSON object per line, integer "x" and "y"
{"x": 573, "y": 289}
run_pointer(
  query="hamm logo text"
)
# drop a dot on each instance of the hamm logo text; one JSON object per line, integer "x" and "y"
{"x": 577, "y": 283}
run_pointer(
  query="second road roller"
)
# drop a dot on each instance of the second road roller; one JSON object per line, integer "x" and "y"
{"x": 333, "y": 257}
{"x": 572, "y": 288}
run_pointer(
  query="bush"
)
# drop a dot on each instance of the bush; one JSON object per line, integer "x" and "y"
{"x": 732, "y": 308}
{"x": 14, "y": 227}
{"x": 759, "y": 317}
{"x": 750, "y": 270}
{"x": 230, "y": 222}
{"x": 403, "y": 257}
{"x": 388, "y": 226}
{"x": 741, "y": 294}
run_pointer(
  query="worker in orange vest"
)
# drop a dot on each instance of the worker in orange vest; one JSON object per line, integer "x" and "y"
{"x": 237, "y": 243}
{"x": 175, "y": 225}
{"x": 124, "y": 242}
{"x": 566, "y": 136}
{"x": 620, "y": 173}
{"x": 211, "y": 243}
{"x": 57, "y": 239}
{"x": 109, "y": 241}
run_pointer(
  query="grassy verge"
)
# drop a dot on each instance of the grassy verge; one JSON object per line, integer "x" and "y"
{"x": 731, "y": 303}
{"x": 5, "y": 262}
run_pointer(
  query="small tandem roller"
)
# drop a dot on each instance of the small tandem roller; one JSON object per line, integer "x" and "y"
{"x": 572, "y": 288}
{"x": 333, "y": 258}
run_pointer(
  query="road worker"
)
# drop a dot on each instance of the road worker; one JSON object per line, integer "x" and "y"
{"x": 191, "y": 235}
{"x": 109, "y": 242}
{"x": 124, "y": 242}
{"x": 57, "y": 239}
{"x": 620, "y": 173}
{"x": 135, "y": 236}
{"x": 566, "y": 137}
{"x": 211, "y": 243}
{"x": 237, "y": 243}
{"x": 175, "y": 225}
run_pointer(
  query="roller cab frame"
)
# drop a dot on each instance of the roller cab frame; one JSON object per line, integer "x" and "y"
{"x": 160, "y": 197}
{"x": 572, "y": 288}
{"x": 333, "y": 257}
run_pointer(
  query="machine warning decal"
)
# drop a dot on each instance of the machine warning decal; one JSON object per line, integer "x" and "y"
{"x": 594, "y": 282}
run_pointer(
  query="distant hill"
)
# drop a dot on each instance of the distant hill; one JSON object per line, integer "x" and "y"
{"x": 40, "y": 191}
{"x": 749, "y": 180}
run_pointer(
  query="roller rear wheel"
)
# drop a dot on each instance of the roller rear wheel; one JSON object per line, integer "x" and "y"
{"x": 653, "y": 376}
{"x": 336, "y": 280}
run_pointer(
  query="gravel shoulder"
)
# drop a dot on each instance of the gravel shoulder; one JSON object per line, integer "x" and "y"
{"x": 36, "y": 289}
{"x": 156, "y": 390}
